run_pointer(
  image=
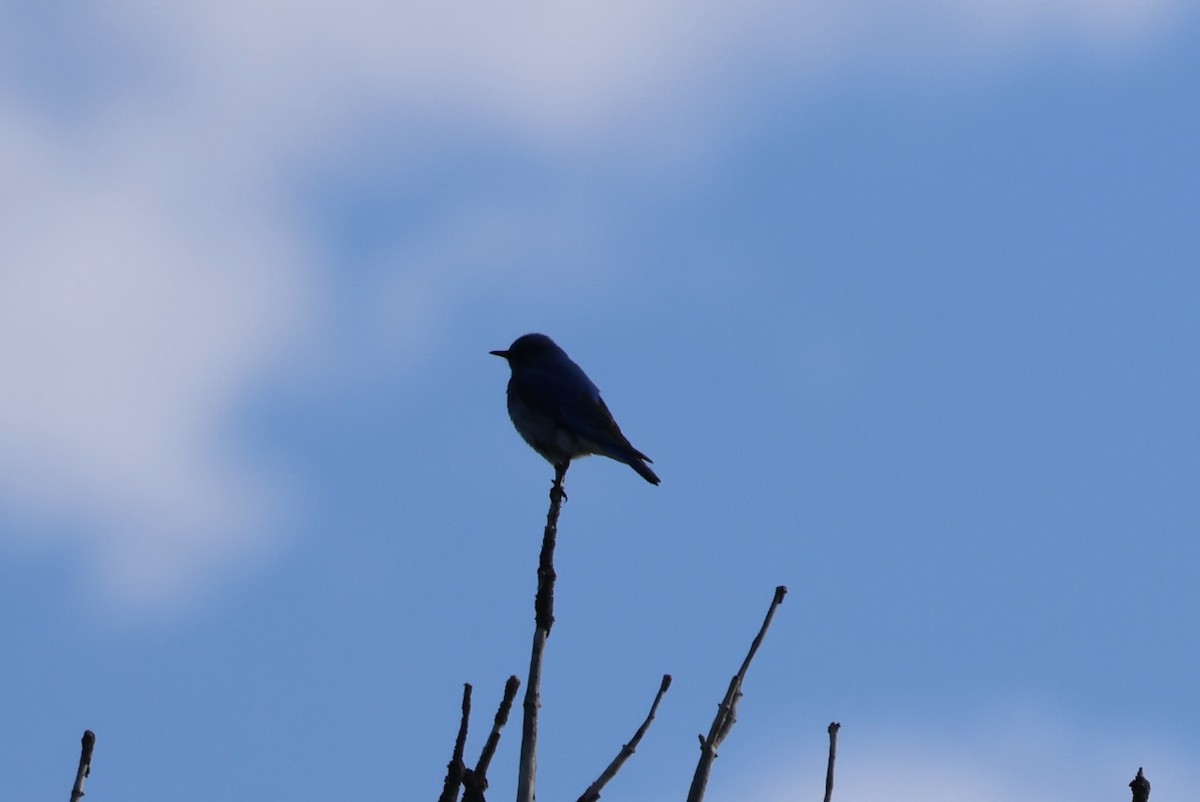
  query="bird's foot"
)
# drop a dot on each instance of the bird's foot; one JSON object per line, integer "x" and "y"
{"x": 560, "y": 473}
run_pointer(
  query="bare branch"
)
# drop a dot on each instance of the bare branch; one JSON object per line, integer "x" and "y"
{"x": 475, "y": 781}
{"x": 1140, "y": 787}
{"x": 489, "y": 749}
{"x": 780, "y": 592}
{"x": 455, "y": 768}
{"x": 833, "y": 733}
{"x": 727, "y": 710}
{"x": 543, "y": 606}
{"x": 85, "y": 764}
{"x": 593, "y": 791}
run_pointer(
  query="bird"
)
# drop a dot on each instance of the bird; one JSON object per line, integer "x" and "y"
{"x": 558, "y": 411}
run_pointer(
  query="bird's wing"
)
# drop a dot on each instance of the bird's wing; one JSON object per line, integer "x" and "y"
{"x": 569, "y": 398}
{"x": 601, "y": 427}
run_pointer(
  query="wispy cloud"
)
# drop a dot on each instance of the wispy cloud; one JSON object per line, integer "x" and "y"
{"x": 150, "y": 266}
{"x": 135, "y": 305}
{"x": 1017, "y": 756}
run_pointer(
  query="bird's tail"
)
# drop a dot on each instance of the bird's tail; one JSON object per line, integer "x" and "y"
{"x": 642, "y": 468}
{"x": 614, "y": 446}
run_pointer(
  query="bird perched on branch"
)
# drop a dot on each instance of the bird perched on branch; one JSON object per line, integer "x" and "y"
{"x": 559, "y": 412}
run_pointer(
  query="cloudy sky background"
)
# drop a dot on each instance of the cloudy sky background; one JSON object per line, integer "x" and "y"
{"x": 902, "y": 299}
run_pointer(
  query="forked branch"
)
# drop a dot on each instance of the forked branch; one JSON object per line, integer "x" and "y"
{"x": 727, "y": 710}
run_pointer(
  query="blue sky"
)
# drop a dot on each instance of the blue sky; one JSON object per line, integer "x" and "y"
{"x": 901, "y": 299}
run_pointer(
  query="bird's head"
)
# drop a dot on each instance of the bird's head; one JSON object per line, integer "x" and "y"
{"x": 530, "y": 348}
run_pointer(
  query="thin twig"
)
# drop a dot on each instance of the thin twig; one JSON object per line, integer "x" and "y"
{"x": 456, "y": 767}
{"x": 543, "y": 606}
{"x": 1140, "y": 787}
{"x": 489, "y": 749}
{"x": 593, "y": 791}
{"x": 475, "y": 781}
{"x": 85, "y": 764}
{"x": 727, "y": 710}
{"x": 833, "y": 733}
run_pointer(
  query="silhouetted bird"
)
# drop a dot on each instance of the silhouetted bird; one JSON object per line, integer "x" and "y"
{"x": 558, "y": 410}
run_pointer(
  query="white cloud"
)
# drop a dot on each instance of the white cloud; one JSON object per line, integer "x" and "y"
{"x": 1100, "y": 23}
{"x": 1018, "y": 756}
{"x": 134, "y": 308}
{"x": 573, "y": 72}
{"x": 149, "y": 272}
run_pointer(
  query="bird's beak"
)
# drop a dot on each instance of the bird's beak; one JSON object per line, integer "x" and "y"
{"x": 499, "y": 353}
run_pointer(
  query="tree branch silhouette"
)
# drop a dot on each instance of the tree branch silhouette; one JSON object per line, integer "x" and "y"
{"x": 727, "y": 710}
{"x": 833, "y": 733}
{"x": 475, "y": 781}
{"x": 85, "y": 764}
{"x": 593, "y": 791}
{"x": 1140, "y": 787}
{"x": 456, "y": 768}
{"x": 543, "y": 606}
